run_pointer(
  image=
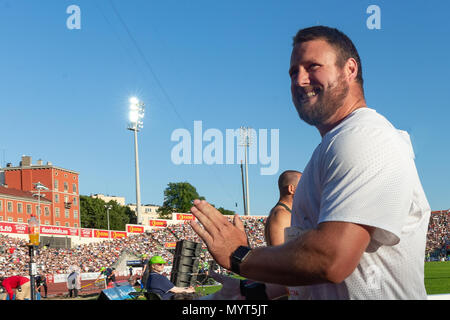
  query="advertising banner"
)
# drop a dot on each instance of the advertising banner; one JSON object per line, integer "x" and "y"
{"x": 60, "y": 231}
{"x": 86, "y": 233}
{"x": 8, "y": 227}
{"x": 135, "y": 228}
{"x": 169, "y": 245}
{"x": 185, "y": 216}
{"x": 118, "y": 234}
{"x": 101, "y": 233}
{"x": 158, "y": 223}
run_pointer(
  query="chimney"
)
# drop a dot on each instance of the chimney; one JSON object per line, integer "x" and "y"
{"x": 26, "y": 161}
{"x": 40, "y": 162}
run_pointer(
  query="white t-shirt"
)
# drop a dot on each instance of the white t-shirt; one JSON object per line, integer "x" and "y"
{"x": 363, "y": 172}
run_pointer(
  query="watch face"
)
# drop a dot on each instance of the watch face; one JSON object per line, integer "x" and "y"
{"x": 241, "y": 252}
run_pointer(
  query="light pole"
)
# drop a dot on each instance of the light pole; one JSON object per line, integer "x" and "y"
{"x": 108, "y": 207}
{"x": 136, "y": 115}
{"x": 246, "y": 142}
{"x": 31, "y": 247}
{"x": 39, "y": 186}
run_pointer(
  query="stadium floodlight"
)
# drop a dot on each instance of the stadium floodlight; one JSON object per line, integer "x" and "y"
{"x": 39, "y": 187}
{"x": 136, "y": 116}
{"x": 246, "y": 141}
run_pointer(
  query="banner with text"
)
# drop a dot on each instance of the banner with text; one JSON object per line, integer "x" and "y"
{"x": 158, "y": 223}
{"x": 135, "y": 228}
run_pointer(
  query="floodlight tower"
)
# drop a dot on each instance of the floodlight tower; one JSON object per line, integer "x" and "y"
{"x": 245, "y": 134}
{"x": 39, "y": 187}
{"x": 108, "y": 207}
{"x": 135, "y": 116}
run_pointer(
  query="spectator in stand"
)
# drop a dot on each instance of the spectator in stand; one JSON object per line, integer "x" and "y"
{"x": 18, "y": 285}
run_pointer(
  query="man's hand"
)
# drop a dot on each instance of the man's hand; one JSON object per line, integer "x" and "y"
{"x": 221, "y": 237}
{"x": 230, "y": 288}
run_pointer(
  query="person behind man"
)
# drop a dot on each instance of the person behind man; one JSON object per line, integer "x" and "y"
{"x": 111, "y": 275}
{"x": 360, "y": 212}
{"x": 74, "y": 281}
{"x": 145, "y": 271}
{"x": 41, "y": 282}
{"x": 107, "y": 273}
{"x": 159, "y": 284}
{"x": 280, "y": 216}
{"x": 18, "y": 285}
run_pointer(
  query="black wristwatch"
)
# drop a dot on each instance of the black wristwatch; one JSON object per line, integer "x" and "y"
{"x": 237, "y": 257}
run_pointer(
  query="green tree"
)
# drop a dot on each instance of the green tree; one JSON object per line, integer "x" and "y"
{"x": 225, "y": 211}
{"x": 178, "y": 197}
{"x": 93, "y": 214}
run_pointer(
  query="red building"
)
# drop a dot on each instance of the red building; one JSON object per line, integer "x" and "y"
{"x": 59, "y": 204}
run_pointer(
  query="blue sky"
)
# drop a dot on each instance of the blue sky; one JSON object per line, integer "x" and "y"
{"x": 64, "y": 93}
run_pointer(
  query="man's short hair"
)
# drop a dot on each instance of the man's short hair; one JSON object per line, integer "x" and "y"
{"x": 345, "y": 48}
{"x": 288, "y": 177}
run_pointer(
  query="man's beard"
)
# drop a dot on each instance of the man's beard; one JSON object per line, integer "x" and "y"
{"x": 326, "y": 105}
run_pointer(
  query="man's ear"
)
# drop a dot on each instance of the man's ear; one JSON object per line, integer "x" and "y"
{"x": 291, "y": 189}
{"x": 351, "y": 69}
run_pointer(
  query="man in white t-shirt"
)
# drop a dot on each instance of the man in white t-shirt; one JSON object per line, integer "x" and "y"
{"x": 360, "y": 215}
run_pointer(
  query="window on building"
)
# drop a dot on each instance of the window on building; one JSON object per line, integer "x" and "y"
{"x": 75, "y": 225}
{"x": 57, "y": 212}
{"x": 47, "y": 223}
{"x": 67, "y": 213}
{"x": 20, "y": 220}
{"x": 29, "y": 208}
{"x": 57, "y": 198}
{"x": 66, "y": 187}
{"x": 9, "y": 206}
{"x": 74, "y": 187}
{"x": 38, "y": 210}
{"x": 10, "y": 219}
{"x": 1, "y": 205}
{"x": 19, "y": 207}
{"x": 47, "y": 211}
{"x": 1, "y": 218}
{"x": 57, "y": 223}
{"x": 67, "y": 224}
{"x": 75, "y": 214}
{"x": 56, "y": 184}
{"x": 75, "y": 203}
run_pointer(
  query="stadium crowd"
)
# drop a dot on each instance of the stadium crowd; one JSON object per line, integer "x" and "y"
{"x": 438, "y": 235}
{"x": 91, "y": 257}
